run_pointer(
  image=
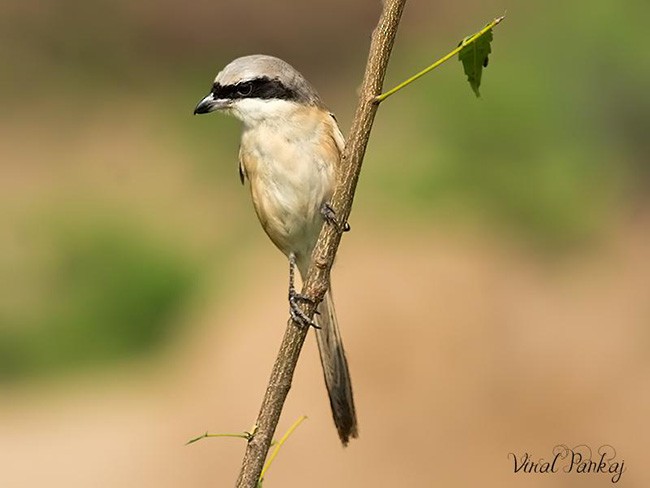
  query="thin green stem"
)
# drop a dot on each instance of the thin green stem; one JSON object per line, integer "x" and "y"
{"x": 244, "y": 435}
{"x": 465, "y": 42}
{"x": 279, "y": 445}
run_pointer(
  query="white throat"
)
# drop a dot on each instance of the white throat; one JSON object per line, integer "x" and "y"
{"x": 254, "y": 111}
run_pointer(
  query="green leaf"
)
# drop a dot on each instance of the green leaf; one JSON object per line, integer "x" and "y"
{"x": 472, "y": 51}
{"x": 474, "y": 57}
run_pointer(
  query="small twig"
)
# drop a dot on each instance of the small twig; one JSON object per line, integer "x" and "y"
{"x": 316, "y": 282}
{"x": 244, "y": 435}
{"x": 464, "y": 43}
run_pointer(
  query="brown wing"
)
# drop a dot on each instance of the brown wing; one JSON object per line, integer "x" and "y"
{"x": 337, "y": 138}
{"x": 242, "y": 170}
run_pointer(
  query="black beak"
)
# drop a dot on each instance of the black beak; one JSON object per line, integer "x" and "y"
{"x": 210, "y": 104}
{"x": 205, "y": 106}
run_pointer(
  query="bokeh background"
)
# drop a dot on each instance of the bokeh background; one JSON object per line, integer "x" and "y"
{"x": 494, "y": 293}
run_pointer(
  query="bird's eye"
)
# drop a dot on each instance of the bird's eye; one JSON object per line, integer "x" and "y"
{"x": 244, "y": 89}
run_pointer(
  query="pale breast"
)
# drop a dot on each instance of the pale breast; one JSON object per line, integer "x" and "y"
{"x": 292, "y": 171}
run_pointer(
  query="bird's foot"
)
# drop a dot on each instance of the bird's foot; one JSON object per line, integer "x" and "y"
{"x": 296, "y": 312}
{"x": 329, "y": 215}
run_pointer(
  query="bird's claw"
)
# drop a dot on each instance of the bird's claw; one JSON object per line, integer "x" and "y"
{"x": 296, "y": 312}
{"x": 329, "y": 215}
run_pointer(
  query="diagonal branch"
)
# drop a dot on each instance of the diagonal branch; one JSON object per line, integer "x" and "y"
{"x": 317, "y": 279}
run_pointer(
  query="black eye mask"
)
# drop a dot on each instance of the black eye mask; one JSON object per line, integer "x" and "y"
{"x": 262, "y": 88}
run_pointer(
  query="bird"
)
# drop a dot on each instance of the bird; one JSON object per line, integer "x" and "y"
{"x": 290, "y": 152}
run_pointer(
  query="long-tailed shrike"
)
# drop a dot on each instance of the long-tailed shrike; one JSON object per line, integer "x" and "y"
{"x": 290, "y": 148}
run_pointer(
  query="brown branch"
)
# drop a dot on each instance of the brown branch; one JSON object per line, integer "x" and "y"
{"x": 317, "y": 279}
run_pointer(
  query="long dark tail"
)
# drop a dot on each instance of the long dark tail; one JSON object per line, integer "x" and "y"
{"x": 335, "y": 370}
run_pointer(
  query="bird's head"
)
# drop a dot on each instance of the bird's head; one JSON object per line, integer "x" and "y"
{"x": 256, "y": 88}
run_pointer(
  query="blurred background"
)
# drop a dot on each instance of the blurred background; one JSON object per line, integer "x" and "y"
{"x": 494, "y": 293}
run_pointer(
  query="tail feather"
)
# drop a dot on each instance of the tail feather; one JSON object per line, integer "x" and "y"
{"x": 335, "y": 370}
